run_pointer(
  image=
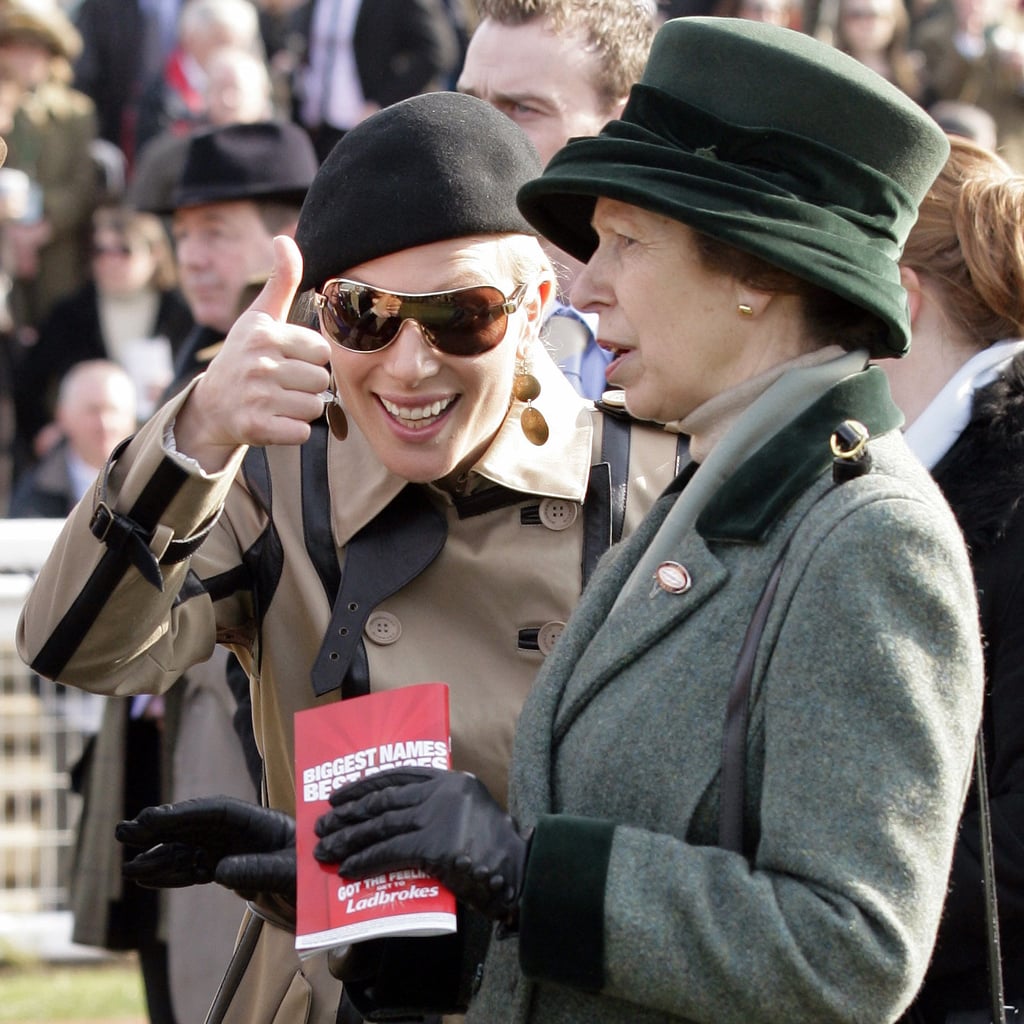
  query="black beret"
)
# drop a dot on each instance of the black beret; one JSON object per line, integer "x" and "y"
{"x": 440, "y": 165}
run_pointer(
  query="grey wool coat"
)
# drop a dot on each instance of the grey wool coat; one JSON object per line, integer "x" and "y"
{"x": 865, "y": 701}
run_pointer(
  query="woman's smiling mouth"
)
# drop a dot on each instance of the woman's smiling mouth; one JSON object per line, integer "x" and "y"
{"x": 416, "y": 417}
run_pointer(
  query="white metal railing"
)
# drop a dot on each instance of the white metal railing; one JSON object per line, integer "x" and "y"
{"x": 43, "y": 727}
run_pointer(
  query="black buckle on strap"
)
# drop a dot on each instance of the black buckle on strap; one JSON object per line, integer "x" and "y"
{"x": 101, "y": 522}
{"x": 119, "y": 532}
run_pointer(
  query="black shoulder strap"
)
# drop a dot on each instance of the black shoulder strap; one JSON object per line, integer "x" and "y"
{"x": 734, "y": 742}
{"x": 604, "y": 509}
{"x": 999, "y": 1010}
{"x": 316, "y": 509}
{"x": 264, "y": 560}
{"x": 615, "y": 442}
{"x": 316, "y": 502}
{"x": 256, "y": 473}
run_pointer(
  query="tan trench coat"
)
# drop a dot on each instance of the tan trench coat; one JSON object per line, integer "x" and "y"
{"x": 510, "y": 570}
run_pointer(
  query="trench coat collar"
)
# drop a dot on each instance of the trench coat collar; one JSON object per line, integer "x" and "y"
{"x": 361, "y": 486}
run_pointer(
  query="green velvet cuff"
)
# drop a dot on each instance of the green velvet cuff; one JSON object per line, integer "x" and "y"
{"x": 561, "y": 914}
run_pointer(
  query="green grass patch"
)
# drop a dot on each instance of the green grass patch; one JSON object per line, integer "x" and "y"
{"x": 107, "y": 991}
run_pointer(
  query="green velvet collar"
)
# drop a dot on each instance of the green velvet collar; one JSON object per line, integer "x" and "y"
{"x": 761, "y": 490}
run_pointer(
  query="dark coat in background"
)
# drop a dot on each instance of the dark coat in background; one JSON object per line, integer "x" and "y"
{"x": 982, "y": 477}
{"x": 70, "y": 335}
{"x": 45, "y": 491}
{"x": 115, "y": 65}
{"x": 401, "y": 48}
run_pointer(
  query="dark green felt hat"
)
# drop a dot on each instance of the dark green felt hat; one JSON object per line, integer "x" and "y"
{"x": 770, "y": 141}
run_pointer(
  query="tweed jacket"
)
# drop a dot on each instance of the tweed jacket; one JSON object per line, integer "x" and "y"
{"x": 865, "y": 699}
{"x": 480, "y": 617}
{"x": 50, "y": 138}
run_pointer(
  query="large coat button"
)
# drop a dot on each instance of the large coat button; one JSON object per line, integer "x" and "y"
{"x": 558, "y": 514}
{"x": 548, "y": 635}
{"x": 382, "y": 628}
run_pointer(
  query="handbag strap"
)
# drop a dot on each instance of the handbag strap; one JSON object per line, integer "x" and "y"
{"x": 988, "y": 867}
{"x": 734, "y": 742}
{"x": 851, "y": 459}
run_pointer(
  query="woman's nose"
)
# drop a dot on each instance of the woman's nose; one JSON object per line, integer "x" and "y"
{"x": 585, "y": 291}
{"x": 410, "y": 357}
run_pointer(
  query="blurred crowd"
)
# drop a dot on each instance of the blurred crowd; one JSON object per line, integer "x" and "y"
{"x": 99, "y": 97}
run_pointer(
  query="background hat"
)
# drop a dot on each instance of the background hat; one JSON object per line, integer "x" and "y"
{"x": 41, "y": 22}
{"x": 440, "y": 165}
{"x": 968, "y": 120}
{"x": 769, "y": 140}
{"x": 263, "y": 160}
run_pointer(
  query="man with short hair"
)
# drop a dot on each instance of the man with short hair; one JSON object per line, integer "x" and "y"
{"x": 560, "y": 69}
{"x": 95, "y": 409}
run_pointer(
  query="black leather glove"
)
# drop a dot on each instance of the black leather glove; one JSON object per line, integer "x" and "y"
{"x": 444, "y": 823}
{"x": 240, "y": 845}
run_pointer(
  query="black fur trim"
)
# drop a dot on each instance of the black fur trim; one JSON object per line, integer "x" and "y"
{"x": 982, "y": 475}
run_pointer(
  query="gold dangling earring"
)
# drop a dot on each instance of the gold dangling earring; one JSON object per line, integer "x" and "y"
{"x": 336, "y": 418}
{"x": 525, "y": 388}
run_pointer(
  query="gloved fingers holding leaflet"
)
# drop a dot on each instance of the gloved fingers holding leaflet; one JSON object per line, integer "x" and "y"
{"x": 442, "y": 822}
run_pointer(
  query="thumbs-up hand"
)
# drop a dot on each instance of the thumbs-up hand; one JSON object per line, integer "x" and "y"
{"x": 265, "y": 384}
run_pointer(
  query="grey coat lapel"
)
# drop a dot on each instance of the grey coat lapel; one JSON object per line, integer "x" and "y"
{"x": 636, "y": 624}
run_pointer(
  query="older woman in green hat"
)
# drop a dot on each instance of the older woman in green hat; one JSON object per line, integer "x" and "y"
{"x": 736, "y": 783}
